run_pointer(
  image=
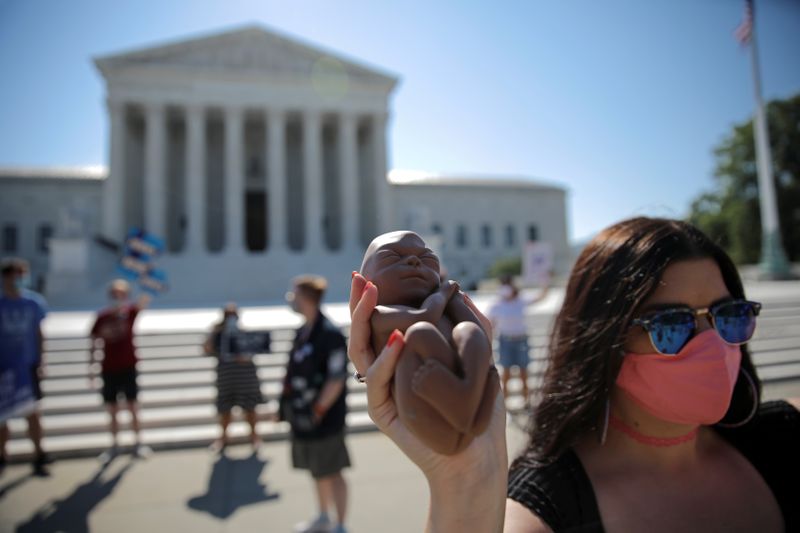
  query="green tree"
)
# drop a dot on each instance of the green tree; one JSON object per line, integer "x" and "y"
{"x": 730, "y": 213}
{"x": 507, "y": 266}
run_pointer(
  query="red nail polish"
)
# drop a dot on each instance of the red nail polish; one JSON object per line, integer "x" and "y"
{"x": 353, "y": 274}
{"x": 368, "y": 285}
{"x": 393, "y": 337}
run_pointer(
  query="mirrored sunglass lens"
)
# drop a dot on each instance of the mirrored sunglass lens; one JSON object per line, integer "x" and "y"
{"x": 670, "y": 331}
{"x": 735, "y": 322}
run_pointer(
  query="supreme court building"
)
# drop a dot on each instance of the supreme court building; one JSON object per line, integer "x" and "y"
{"x": 255, "y": 157}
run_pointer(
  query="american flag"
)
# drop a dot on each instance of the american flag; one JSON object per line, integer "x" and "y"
{"x": 744, "y": 31}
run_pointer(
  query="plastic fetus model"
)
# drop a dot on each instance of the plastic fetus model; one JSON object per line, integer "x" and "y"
{"x": 445, "y": 383}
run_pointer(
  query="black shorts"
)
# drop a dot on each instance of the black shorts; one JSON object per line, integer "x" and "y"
{"x": 121, "y": 382}
{"x": 36, "y": 383}
{"x": 323, "y": 457}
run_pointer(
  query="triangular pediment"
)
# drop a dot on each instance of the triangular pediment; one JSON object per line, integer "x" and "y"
{"x": 252, "y": 49}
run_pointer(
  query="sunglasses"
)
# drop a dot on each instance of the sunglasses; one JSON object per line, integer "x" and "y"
{"x": 671, "y": 329}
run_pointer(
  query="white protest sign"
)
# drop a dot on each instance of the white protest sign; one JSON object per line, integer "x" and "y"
{"x": 537, "y": 262}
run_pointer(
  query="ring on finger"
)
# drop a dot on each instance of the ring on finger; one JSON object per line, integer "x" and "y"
{"x": 358, "y": 377}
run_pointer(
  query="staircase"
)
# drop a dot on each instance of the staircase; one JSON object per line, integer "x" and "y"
{"x": 177, "y": 391}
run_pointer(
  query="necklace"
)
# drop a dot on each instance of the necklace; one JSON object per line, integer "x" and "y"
{"x": 660, "y": 442}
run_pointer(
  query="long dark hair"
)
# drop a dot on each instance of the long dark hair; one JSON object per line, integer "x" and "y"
{"x": 613, "y": 276}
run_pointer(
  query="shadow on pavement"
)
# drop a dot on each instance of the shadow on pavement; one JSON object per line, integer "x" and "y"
{"x": 233, "y": 483}
{"x": 8, "y": 487}
{"x": 71, "y": 514}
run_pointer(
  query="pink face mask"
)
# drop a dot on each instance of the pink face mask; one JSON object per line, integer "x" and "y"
{"x": 692, "y": 387}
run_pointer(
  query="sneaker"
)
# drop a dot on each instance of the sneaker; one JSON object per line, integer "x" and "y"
{"x": 40, "y": 470}
{"x": 142, "y": 451}
{"x": 108, "y": 455}
{"x": 321, "y": 524}
{"x": 339, "y": 528}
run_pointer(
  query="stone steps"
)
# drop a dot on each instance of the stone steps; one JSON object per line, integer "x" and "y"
{"x": 177, "y": 390}
{"x": 150, "y": 418}
{"x": 161, "y": 438}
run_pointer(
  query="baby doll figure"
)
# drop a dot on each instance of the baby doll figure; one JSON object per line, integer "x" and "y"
{"x": 445, "y": 383}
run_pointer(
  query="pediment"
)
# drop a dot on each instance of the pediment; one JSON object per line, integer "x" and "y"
{"x": 252, "y": 50}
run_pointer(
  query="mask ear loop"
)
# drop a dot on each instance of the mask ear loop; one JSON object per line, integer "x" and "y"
{"x": 604, "y": 430}
{"x": 752, "y": 413}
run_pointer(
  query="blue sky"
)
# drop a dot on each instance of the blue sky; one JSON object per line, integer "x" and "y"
{"x": 620, "y": 101}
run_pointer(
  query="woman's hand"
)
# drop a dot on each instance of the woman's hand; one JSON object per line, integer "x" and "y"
{"x": 467, "y": 489}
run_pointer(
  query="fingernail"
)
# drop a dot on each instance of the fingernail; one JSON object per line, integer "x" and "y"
{"x": 369, "y": 284}
{"x": 393, "y": 337}
{"x": 353, "y": 274}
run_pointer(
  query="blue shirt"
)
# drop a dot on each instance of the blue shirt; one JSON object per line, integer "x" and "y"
{"x": 19, "y": 330}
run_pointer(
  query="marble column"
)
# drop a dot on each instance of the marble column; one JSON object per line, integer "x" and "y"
{"x": 195, "y": 179}
{"x": 312, "y": 174}
{"x": 155, "y": 165}
{"x": 385, "y": 214}
{"x": 348, "y": 171}
{"x": 234, "y": 179}
{"x": 276, "y": 172}
{"x": 114, "y": 186}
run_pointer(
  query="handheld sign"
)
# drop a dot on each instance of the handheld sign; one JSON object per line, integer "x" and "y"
{"x": 138, "y": 261}
{"x": 537, "y": 262}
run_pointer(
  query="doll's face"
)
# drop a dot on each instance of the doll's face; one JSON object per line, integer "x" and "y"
{"x": 402, "y": 267}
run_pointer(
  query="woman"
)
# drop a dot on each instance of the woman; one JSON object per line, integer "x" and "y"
{"x": 237, "y": 379}
{"x": 650, "y": 415}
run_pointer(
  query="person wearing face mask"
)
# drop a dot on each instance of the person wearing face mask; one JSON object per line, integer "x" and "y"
{"x": 649, "y": 417}
{"x": 507, "y": 315}
{"x": 21, "y": 314}
{"x": 237, "y": 378}
{"x": 112, "y": 333}
{"x": 314, "y": 403}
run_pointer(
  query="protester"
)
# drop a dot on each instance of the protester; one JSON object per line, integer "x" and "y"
{"x": 237, "y": 378}
{"x": 314, "y": 403}
{"x": 507, "y": 315}
{"x": 650, "y": 416}
{"x": 21, "y": 359}
{"x": 113, "y": 332}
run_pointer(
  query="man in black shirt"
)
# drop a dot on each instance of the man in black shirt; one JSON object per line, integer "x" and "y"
{"x": 314, "y": 402}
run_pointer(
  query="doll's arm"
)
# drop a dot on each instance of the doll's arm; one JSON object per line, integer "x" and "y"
{"x": 458, "y": 311}
{"x": 386, "y": 318}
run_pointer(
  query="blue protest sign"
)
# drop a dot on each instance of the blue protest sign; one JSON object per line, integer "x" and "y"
{"x": 154, "y": 281}
{"x": 138, "y": 261}
{"x": 143, "y": 244}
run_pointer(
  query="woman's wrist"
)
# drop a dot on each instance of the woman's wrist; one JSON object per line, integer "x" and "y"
{"x": 470, "y": 498}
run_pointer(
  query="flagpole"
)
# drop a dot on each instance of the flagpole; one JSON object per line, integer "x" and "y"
{"x": 774, "y": 264}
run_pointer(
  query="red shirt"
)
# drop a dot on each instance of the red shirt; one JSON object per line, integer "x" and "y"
{"x": 115, "y": 327}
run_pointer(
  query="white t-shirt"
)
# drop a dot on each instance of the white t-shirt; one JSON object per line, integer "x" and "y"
{"x": 508, "y": 316}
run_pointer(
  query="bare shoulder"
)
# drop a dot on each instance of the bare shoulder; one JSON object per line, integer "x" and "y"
{"x": 520, "y": 519}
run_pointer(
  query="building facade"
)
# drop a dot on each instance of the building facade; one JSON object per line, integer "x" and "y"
{"x": 476, "y": 220}
{"x": 256, "y": 157}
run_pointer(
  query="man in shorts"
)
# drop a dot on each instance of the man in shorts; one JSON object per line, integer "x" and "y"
{"x": 509, "y": 323}
{"x": 314, "y": 403}
{"x": 21, "y": 314}
{"x": 113, "y": 332}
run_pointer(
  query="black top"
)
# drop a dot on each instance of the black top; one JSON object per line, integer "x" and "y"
{"x": 317, "y": 356}
{"x": 561, "y": 493}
